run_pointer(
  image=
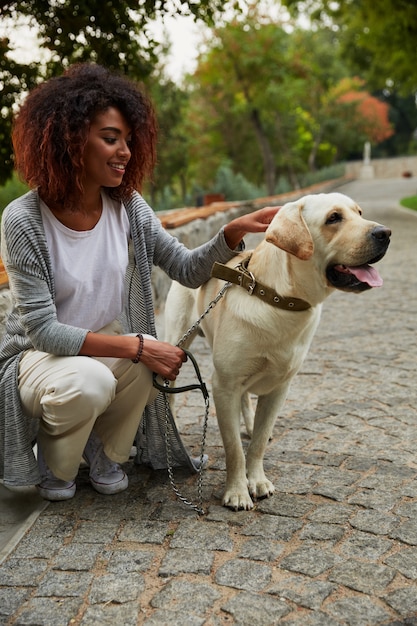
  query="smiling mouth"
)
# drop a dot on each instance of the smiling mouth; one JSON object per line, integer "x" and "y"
{"x": 120, "y": 167}
{"x": 355, "y": 278}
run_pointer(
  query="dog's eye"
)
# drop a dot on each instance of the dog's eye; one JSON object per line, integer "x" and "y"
{"x": 334, "y": 218}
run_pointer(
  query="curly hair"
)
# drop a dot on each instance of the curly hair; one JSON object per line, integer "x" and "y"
{"x": 51, "y": 129}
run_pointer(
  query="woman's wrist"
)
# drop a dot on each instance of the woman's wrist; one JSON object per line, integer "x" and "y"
{"x": 140, "y": 349}
{"x": 233, "y": 235}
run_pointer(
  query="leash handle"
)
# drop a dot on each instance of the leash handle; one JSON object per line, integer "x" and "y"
{"x": 201, "y": 385}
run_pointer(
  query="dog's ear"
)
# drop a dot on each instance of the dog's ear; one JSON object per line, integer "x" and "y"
{"x": 289, "y": 231}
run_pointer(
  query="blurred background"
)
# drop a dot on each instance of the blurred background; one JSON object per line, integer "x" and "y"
{"x": 253, "y": 98}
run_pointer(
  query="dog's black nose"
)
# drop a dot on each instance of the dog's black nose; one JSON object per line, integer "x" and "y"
{"x": 382, "y": 233}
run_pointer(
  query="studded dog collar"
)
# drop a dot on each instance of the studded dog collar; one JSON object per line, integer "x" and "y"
{"x": 240, "y": 275}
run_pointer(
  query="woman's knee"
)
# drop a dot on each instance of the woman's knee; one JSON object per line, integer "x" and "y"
{"x": 86, "y": 388}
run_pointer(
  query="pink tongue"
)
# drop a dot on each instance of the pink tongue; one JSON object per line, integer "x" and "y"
{"x": 366, "y": 274}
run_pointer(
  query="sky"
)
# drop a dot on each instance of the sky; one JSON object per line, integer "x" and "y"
{"x": 185, "y": 36}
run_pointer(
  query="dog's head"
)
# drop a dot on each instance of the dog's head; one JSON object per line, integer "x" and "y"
{"x": 329, "y": 229}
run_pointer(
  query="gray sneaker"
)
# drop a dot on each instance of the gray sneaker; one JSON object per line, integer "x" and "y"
{"x": 51, "y": 487}
{"x": 106, "y": 476}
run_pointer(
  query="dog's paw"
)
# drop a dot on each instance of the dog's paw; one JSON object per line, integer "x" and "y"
{"x": 236, "y": 501}
{"x": 260, "y": 489}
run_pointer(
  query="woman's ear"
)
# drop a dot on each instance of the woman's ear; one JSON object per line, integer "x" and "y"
{"x": 289, "y": 231}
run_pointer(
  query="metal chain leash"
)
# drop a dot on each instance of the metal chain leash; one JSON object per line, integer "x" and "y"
{"x": 196, "y": 507}
{"x": 211, "y": 306}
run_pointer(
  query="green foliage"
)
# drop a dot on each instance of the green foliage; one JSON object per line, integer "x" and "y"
{"x": 378, "y": 38}
{"x": 11, "y": 190}
{"x": 409, "y": 203}
{"x": 234, "y": 186}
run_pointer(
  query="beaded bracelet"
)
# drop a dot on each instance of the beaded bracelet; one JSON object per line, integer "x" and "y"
{"x": 140, "y": 349}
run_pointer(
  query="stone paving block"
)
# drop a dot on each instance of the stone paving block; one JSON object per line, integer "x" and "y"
{"x": 309, "y": 560}
{"x": 334, "y": 492}
{"x": 285, "y": 505}
{"x": 295, "y": 479}
{"x": 336, "y": 476}
{"x": 223, "y": 514}
{"x": 243, "y": 574}
{"x": 293, "y": 440}
{"x": 357, "y": 611}
{"x": 116, "y": 588}
{"x": 22, "y": 572}
{"x": 322, "y": 532}
{"x": 96, "y": 532}
{"x": 410, "y": 489}
{"x": 42, "y": 548}
{"x": 11, "y": 599}
{"x": 182, "y": 595}
{"x": 75, "y": 557}
{"x": 144, "y": 532}
{"x": 202, "y": 536}
{"x": 365, "y": 546}
{"x": 405, "y": 561}
{"x": 403, "y": 600}
{"x": 332, "y": 513}
{"x": 255, "y": 609}
{"x": 406, "y": 532}
{"x": 48, "y": 611}
{"x": 360, "y": 464}
{"x": 366, "y": 577}
{"x": 407, "y": 509}
{"x": 375, "y": 499}
{"x": 57, "y": 522}
{"x": 165, "y": 617}
{"x": 64, "y": 584}
{"x": 259, "y": 549}
{"x": 303, "y": 591}
{"x": 111, "y": 615}
{"x": 124, "y": 561}
{"x": 374, "y": 522}
{"x": 272, "y": 526}
{"x": 318, "y": 618}
{"x": 186, "y": 561}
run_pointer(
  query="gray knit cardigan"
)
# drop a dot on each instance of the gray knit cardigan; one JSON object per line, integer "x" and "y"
{"x": 33, "y": 322}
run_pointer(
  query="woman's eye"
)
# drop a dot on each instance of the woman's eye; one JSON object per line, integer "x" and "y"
{"x": 334, "y": 218}
{"x": 110, "y": 140}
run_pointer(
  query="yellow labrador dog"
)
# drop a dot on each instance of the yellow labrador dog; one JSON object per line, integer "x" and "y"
{"x": 261, "y": 330}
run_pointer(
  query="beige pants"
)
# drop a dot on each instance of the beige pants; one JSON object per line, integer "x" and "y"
{"x": 71, "y": 395}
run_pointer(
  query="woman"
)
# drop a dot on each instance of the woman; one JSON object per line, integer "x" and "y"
{"x": 80, "y": 347}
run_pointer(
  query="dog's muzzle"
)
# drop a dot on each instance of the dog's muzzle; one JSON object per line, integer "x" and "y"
{"x": 361, "y": 277}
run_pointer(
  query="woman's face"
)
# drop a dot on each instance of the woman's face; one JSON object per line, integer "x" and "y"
{"x": 106, "y": 152}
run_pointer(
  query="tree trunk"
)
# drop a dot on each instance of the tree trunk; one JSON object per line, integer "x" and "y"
{"x": 267, "y": 154}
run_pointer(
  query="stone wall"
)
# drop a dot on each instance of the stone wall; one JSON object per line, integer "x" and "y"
{"x": 383, "y": 168}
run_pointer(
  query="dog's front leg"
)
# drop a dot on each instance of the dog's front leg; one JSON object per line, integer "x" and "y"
{"x": 266, "y": 414}
{"x": 227, "y": 400}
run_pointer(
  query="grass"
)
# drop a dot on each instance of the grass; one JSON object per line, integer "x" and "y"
{"x": 409, "y": 203}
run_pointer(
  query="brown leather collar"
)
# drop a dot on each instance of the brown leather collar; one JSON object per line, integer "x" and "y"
{"x": 241, "y": 276}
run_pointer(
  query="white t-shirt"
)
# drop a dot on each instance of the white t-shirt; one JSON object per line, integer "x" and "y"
{"x": 89, "y": 266}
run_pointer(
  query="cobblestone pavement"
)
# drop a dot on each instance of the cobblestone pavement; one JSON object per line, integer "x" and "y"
{"x": 335, "y": 545}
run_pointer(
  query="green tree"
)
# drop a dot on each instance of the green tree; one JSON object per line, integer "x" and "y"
{"x": 171, "y": 173}
{"x": 243, "y": 94}
{"x": 378, "y": 38}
